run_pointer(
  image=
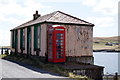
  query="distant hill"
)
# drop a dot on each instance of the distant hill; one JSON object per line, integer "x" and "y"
{"x": 106, "y": 39}
{"x": 106, "y": 43}
{"x": 5, "y": 47}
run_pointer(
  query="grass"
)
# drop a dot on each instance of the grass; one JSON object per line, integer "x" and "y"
{"x": 101, "y": 46}
{"x": 2, "y": 56}
{"x": 103, "y": 40}
{"x": 71, "y": 75}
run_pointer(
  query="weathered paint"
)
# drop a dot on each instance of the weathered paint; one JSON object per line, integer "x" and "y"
{"x": 80, "y": 37}
{"x": 25, "y": 51}
{"x": 43, "y": 40}
{"x": 19, "y": 51}
{"x": 78, "y": 40}
{"x": 32, "y": 41}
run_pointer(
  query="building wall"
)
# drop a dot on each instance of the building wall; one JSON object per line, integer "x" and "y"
{"x": 43, "y": 40}
{"x": 32, "y": 41}
{"x": 78, "y": 40}
{"x": 19, "y": 51}
{"x": 25, "y": 51}
{"x": 78, "y": 43}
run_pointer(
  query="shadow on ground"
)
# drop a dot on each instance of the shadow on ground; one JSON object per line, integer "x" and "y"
{"x": 29, "y": 66}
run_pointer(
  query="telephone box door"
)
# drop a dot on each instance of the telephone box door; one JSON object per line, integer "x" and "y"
{"x": 56, "y": 44}
{"x": 59, "y": 38}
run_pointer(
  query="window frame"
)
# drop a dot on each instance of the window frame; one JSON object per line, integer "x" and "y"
{"x": 22, "y": 38}
{"x": 37, "y": 37}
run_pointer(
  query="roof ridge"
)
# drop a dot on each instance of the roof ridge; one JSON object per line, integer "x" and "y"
{"x": 75, "y": 17}
{"x": 52, "y": 15}
{"x": 51, "y": 18}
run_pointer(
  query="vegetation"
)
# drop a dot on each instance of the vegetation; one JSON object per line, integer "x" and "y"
{"x": 54, "y": 68}
{"x": 5, "y": 47}
{"x": 4, "y": 55}
{"x": 99, "y": 43}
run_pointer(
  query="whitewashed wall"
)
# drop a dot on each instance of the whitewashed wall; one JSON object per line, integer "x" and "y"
{"x": 18, "y": 46}
{"x": 43, "y": 40}
{"x": 25, "y": 51}
{"x": 78, "y": 40}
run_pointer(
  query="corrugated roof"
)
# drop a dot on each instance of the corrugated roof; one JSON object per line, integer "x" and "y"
{"x": 56, "y": 17}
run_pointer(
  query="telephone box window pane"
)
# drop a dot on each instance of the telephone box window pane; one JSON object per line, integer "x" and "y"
{"x": 59, "y": 40}
{"x": 59, "y": 50}
{"x": 59, "y": 47}
{"x": 59, "y": 56}
{"x": 59, "y": 43}
{"x": 59, "y": 34}
{"x": 59, "y": 37}
{"x": 59, "y": 53}
{"x": 50, "y": 55}
{"x": 60, "y": 29}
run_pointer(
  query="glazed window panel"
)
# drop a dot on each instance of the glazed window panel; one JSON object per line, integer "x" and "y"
{"x": 22, "y": 38}
{"x": 59, "y": 34}
{"x": 59, "y": 37}
{"x": 59, "y": 46}
{"x": 13, "y": 39}
{"x": 59, "y": 43}
{"x": 59, "y": 40}
{"x": 37, "y": 36}
{"x": 60, "y": 29}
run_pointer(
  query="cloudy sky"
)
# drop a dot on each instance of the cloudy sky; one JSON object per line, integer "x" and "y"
{"x": 103, "y": 13}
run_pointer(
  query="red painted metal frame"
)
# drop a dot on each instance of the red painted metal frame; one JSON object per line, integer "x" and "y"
{"x": 54, "y": 44}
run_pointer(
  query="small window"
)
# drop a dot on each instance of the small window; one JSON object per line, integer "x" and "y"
{"x": 59, "y": 40}
{"x": 13, "y": 39}
{"x": 60, "y": 29}
{"x": 37, "y": 36}
{"x": 59, "y": 56}
{"x": 59, "y": 50}
{"x": 59, "y": 43}
{"x": 22, "y": 38}
{"x": 59, "y": 34}
{"x": 59, "y": 47}
{"x": 59, "y": 37}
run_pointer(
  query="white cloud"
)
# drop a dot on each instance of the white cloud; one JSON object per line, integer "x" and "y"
{"x": 102, "y": 21}
{"x": 24, "y": 8}
{"x": 4, "y": 40}
{"x": 16, "y": 12}
{"x": 89, "y": 2}
{"x": 107, "y": 7}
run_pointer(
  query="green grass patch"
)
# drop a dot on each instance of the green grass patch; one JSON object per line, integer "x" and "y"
{"x": 3, "y": 55}
{"x": 102, "y": 46}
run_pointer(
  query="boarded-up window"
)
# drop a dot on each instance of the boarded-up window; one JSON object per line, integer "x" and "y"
{"x": 13, "y": 39}
{"x": 37, "y": 36}
{"x": 22, "y": 38}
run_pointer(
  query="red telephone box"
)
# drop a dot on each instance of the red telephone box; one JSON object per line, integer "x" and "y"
{"x": 56, "y": 44}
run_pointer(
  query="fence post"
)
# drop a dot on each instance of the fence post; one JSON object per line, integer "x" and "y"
{"x": 1, "y": 50}
{"x": 116, "y": 76}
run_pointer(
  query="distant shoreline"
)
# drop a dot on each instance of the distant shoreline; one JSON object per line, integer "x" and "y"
{"x": 105, "y": 50}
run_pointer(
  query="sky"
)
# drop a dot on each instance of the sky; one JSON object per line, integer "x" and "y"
{"x": 102, "y": 13}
